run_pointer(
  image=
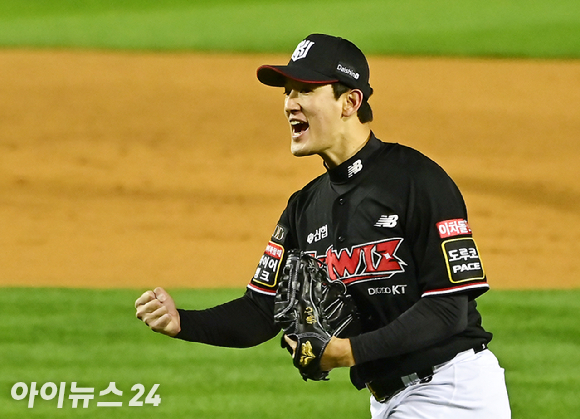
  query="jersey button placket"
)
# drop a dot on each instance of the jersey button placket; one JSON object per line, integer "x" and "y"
{"x": 340, "y": 213}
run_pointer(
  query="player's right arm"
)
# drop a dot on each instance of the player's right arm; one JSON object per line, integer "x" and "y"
{"x": 243, "y": 322}
{"x": 248, "y": 320}
{"x": 157, "y": 310}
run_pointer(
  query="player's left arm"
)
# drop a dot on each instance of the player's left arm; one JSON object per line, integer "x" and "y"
{"x": 450, "y": 271}
{"x": 338, "y": 353}
{"x": 427, "y": 322}
{"x": 430, "y": 320}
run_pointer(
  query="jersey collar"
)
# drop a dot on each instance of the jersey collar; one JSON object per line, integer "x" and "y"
{"x": 352, "y": 168}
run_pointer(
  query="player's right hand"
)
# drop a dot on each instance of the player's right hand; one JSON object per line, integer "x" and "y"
{"x": 157, "y": 310}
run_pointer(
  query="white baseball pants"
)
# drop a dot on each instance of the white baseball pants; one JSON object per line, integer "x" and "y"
{"x": 470, "y": 386}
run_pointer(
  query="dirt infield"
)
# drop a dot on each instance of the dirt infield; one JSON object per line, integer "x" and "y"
{"x": 136, "y": 170}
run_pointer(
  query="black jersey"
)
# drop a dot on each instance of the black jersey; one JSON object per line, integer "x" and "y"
{"x": 392, "y": 225}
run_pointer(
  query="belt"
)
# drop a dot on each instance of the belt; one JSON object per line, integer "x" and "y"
{"x": 385, "y": 388}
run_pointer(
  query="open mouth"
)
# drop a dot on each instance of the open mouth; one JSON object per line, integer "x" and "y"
{"x": 299, "y": 127}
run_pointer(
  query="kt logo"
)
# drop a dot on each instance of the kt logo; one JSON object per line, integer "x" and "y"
{"x": 364, "y": 262}
{"x": 302, "y": 50}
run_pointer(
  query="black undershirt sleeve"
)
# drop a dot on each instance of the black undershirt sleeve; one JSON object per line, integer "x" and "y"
{"x": 240, "y": 323}
{"x": 430, "y": 320}
{"x": 248, "y": 321}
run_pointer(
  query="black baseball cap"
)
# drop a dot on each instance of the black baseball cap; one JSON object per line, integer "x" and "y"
{"x": 322, "y": 59}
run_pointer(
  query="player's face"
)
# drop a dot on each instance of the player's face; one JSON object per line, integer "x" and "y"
{"x": 314, "y": 116}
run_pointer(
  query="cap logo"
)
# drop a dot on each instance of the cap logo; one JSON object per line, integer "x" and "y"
{"x": 302, "y": 50}
{"x": 348, "y": 71}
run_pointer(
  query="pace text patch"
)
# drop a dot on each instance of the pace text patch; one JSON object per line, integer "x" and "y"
{"x": 462, "y": 259}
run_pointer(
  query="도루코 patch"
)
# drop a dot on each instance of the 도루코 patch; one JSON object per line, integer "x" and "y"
{"x": 462, "y": 259}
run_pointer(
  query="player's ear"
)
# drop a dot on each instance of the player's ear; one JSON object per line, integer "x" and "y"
{"x": 352, "y": 101}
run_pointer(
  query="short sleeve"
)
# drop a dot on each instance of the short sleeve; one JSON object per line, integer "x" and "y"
{"x": 445, "y": 252}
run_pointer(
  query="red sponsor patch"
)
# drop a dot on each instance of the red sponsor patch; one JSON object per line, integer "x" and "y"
{"x": 274, "y": 250}
{"x": 266, "y": 277}
{"x": 451, "y": 228}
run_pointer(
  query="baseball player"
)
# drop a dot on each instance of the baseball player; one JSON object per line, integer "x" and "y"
{"x": 390, "y": 224}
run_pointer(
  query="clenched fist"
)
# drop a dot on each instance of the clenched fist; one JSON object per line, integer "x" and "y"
{"x": 157, "y": 310}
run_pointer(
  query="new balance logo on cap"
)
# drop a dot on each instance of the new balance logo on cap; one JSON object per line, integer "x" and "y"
{"x": 302, "y": 50}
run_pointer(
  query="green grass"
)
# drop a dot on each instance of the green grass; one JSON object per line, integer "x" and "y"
{"x": 92, "y": 337}
{"x": 504, "y": 28}
{"x": 537, "y": 338}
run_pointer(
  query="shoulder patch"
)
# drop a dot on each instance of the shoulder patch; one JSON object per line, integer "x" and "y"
{"x": 451, "y": 228}
{"x": 462, "y": 260}
{"x": 265, "y": 279}
{"x": 279, "y": 234}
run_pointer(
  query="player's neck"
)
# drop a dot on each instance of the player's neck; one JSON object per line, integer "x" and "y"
{"x": 346, "y": 146}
